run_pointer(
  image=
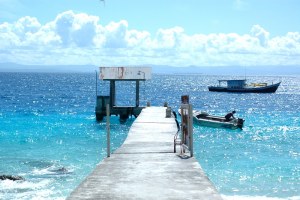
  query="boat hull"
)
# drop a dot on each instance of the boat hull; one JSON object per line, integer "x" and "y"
{"x": 218, "y": 124}
{"x": 204, "y": 119}
{"x": 265, "y": 89}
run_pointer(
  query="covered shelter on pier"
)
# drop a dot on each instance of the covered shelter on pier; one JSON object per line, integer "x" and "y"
{"x": 114, "y": 74}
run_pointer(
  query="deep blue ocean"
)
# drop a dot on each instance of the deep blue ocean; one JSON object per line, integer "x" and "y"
{"x": 49, "y": 135}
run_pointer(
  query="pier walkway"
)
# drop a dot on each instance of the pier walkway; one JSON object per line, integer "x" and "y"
{"x": 145, "y": 167}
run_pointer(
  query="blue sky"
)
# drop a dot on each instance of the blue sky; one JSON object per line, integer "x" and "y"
{"x": 138, "y": 32}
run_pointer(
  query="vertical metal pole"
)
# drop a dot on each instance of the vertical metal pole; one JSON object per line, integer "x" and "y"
{"x": 108, "y": 129}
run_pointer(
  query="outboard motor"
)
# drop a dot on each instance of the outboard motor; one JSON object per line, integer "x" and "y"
{"x": 240, "y": 123}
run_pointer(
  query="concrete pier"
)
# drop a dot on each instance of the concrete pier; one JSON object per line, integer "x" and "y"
{"x": 145, "y": 167}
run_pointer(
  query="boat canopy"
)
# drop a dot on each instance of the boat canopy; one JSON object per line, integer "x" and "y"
{"x": 234, "y": 83}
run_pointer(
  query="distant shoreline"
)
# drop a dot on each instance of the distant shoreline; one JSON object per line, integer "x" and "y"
{"x": 162, "y": 69}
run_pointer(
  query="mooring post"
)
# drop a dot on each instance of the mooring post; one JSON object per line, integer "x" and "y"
{"x": 108, "y": 129}
{"x": 190, "y": 130}
{"x": 187, "y": 124}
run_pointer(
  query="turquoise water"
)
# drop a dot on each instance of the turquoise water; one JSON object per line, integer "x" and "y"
{"x": 48, "y": 123}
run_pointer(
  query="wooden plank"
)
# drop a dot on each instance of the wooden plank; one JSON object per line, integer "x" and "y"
{"x": 145, "y": 167}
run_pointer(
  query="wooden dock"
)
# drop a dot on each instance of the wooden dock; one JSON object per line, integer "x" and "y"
{"x": 145, "y": 167}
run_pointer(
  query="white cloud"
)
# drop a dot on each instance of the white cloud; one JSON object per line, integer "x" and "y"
{"x": 115, "y": 35}
{"x": 76, "y": 29}
{"x": 8, "y": 39}
{"x": 168, "y": 38}
{"x": 261, "y": 34}
{"x": 78, "y": 38}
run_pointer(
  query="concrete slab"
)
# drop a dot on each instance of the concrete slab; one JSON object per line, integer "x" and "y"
{"x": 145, "y": 167}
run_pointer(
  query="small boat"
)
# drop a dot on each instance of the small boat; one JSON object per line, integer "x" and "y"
{"x": 242, "y": 87}
{"x": 204, "y": 119}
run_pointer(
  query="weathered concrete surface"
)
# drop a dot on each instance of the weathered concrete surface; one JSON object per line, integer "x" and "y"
{"x": 145, "y": 167}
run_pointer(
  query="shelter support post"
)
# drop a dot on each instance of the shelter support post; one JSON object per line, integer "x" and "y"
{"x": 112, "y": 93}
{"x": 137, "y": 93}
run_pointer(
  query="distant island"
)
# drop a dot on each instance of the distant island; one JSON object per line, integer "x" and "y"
{"x": 161, "y": 69}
